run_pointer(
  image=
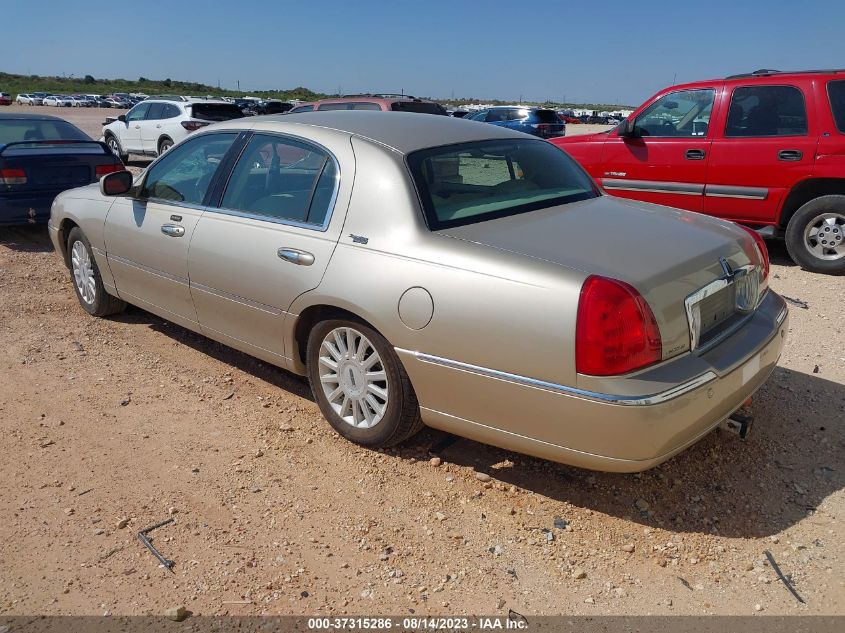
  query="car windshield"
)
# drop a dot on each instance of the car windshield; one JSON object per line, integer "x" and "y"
{"x": 15, "y": 130}
{"x": 475, "y": 182}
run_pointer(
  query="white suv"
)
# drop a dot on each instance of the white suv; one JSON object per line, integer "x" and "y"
{"x": 153, "y": 126}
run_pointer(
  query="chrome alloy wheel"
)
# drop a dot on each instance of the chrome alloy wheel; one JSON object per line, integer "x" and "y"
{"x": 825, "y": 236}
{"x": 353, "y": 377}
{"x": 83, "y": 272}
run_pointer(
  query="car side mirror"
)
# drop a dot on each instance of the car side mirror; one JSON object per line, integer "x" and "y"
{"x": 116, "y": 183}
{"x": 626, "y": 129}
{"x": 121, "y": 117}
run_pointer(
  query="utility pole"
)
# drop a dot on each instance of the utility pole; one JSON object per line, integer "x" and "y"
{"x": 239, "y": 85}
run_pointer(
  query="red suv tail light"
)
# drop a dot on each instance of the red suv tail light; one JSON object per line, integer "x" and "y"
{"x": 616, "y": 331}
{"x": 12, "y": 177}
{"x": 102, "y": 170}
{"x": 192, "y": 126}
{"x": 761, "y": 249}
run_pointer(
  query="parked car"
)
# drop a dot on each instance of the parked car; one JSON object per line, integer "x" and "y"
{"x": 57, "y": 100}
{"x": 76, "y": 102}
{"x": 302, "y": 107}
{"x": 383, "y": 102}
{"x": 248, "y": 107}
{"x": 27, "y": 99}
{"x": 154, "y": 125}
{"x": 5, "y": 98}
{"x": 273, "y": 106}
{"x": 537, "y": 121}
{"x": 603, "y": 348}
{"x": 758, "y": 149}
{"x": 41, "y": 156}
{"x": 114, "y": 102}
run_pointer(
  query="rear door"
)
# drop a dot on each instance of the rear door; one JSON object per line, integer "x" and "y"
{"x": 147, "y": 235}
{"x": 666, "y": 162}
{"x": 269, "y": 241}
{"x": 765, "y": 144}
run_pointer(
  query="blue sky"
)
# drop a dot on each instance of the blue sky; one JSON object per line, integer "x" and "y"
{"x": 582, "y": 50}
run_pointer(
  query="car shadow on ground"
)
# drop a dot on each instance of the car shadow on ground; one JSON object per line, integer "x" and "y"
{"x": 270, "y": 374}
{"x": 31, "y": 238}
{"x": 757, "y": 487}
{"x": 778, "y": 253}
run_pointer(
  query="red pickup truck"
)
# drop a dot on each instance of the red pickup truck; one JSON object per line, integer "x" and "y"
{"x": 765, "y": 149}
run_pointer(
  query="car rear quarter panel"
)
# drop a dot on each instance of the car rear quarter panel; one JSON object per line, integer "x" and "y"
{"x": 491, "y": 308}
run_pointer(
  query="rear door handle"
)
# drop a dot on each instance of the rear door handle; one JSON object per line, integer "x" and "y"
{"x": 296, "y": 256}
{"x": 173, "y": 230}
{"x": 695, "y": 154}
{"x": 790, "y": 154}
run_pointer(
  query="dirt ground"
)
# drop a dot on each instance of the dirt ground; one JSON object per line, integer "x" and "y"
{"x": 112, "y": 425}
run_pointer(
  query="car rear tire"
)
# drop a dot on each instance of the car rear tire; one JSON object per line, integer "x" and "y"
{"x": 85, "y": 275}
{"x": 164, "y": 145}
{"x": 360, "y": 384}
{"x": 114, "y": 146}
{"x": 815, "y": 235}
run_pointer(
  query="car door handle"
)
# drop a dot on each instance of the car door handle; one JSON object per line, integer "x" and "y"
{"x": 296, "y": 256}
{"x": 158, "y": 126}
{"x": 790, "y": 154}
{"x": 173, "y": 230}
{"x": 695, "y": 154}
{"x": 137, "y": 127}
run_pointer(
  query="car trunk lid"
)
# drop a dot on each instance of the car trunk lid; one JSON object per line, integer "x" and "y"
{"x": 51, "y": 165}
{"x": 668, "y": 255}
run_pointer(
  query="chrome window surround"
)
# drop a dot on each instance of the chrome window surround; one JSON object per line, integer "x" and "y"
{"x": 323, "y": 227}
{"x": 692, "y": 301}
{"x": 646, "y": 400}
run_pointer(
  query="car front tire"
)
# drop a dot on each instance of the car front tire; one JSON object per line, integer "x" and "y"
{"x": 360, "y": 384}
{"x": 815, "y": 235}
{"x": 86, "y": 278}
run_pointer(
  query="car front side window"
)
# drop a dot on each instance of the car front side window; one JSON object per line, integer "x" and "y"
{"x": 678, "y": 114}
{"x": 138, "y": 112}
{"x": 184, "y": 173}
{"x": 283, "y": 179}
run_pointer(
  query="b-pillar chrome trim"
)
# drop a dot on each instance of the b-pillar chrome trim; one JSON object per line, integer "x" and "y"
{"x": 607, "y": 398}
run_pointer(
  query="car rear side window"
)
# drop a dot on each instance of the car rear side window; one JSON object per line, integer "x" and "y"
{"x": 836, "y": 94}
{"x": 423, "y": 107}
{"x": 170, "y": 111}
{"x": 281, "y": 178}
{"x": 184, "y": 173}
{"x": 473, "y": 182}
{"x": 766, "y": 111}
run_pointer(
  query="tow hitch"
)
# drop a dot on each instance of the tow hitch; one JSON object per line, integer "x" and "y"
{"x": 739, "y": 423}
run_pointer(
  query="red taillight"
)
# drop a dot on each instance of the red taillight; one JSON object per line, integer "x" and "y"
{"x": 192, "y": 126}
{"x": 616, "y": 331}
{"x": 102, "y": 170}
{"x": 761, "y": 249}
{"x": 12, "y": 177}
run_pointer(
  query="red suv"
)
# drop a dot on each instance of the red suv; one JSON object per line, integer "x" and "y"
{"x": 765, "y": 149}
{"x": 384, "y": 102}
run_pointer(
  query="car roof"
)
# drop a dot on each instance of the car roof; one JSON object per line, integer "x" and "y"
{"x": 7, "y": 116}
{"x": 762, "y": 74}
{"x": 403, "y": 132}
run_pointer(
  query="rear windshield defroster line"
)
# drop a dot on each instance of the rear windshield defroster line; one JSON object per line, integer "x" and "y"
{"x": 466, "y": 183}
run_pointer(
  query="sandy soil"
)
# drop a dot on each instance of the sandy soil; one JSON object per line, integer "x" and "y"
{"x": 112, "y": 425}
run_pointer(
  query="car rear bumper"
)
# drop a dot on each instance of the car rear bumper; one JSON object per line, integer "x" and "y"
{"x": 31, "y": 209}
{"x": 620, "y": 432}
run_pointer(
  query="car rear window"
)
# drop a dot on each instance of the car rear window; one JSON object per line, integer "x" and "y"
{"x": 216, "y": 111}
{"x": 547, "y": 116}
{"x": 423, "y": 107}
{"x": 474, "y": 182}
{"x": 15, "y": 130}
{"x": 836, "y": 94}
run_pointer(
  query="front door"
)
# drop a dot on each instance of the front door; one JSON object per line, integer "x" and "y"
{"x": 666, "y": 160}
{"x": 764, "y": 147}
{"x": 147, "y": 235}
{"x": 130, "y": 138}
{"x": 269, "y": 241}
